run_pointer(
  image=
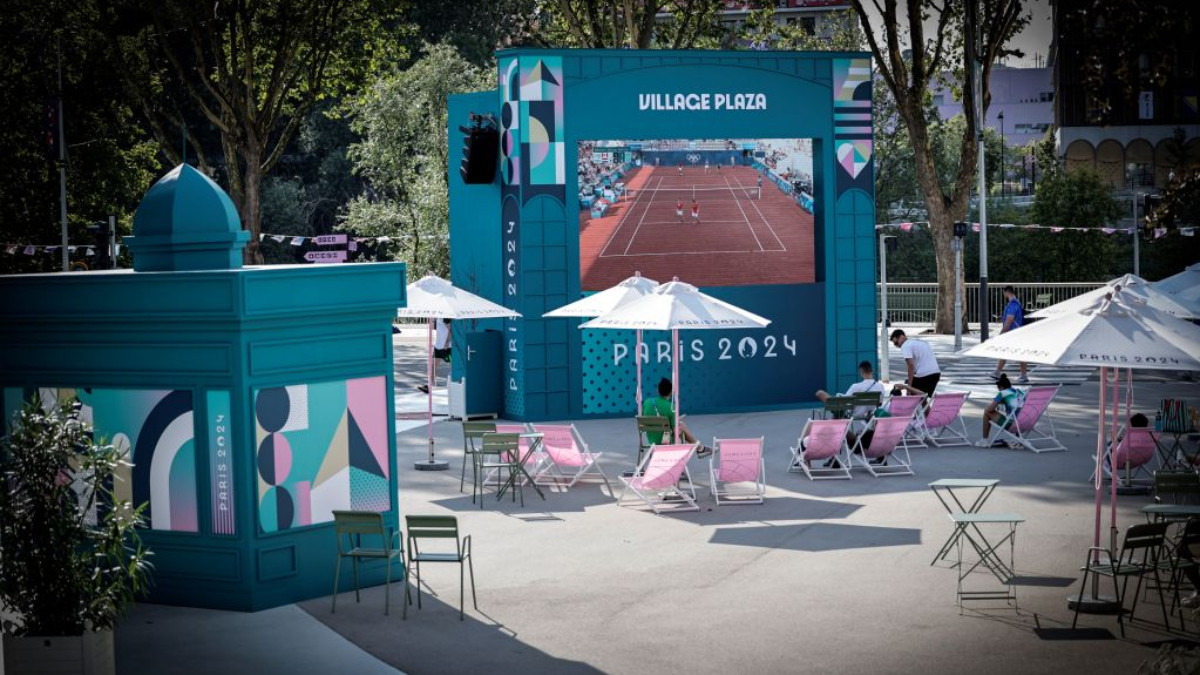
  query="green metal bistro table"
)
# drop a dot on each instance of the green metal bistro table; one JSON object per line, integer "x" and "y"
{"x": 518, "y": 469}
{"x": 953, "y": 504}
{"x": 967, "y": 527}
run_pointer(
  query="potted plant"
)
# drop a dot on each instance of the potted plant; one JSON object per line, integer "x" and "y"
{"x": 71, "y": 560}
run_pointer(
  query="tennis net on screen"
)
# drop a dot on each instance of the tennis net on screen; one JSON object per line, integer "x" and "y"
{"x": 687, "y": 194}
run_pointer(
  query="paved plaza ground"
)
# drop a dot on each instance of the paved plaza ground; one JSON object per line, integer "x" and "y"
{"x": 829, "y": 577}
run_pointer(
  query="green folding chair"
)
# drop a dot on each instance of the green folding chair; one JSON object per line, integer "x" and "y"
{"x": 840, "y": 407}
{"x": 660, "y": 427}
{"x": 351, "y": 526}
{"x": 497, "y": 453}
{"x": 472, "y": 434}
{"x": 440, "y": 527}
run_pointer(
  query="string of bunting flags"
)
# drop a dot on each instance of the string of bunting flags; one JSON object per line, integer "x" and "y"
{"x": 347, "y": 243}
{"x": 52, "y": 249}
{"x": 1158, "y": 231}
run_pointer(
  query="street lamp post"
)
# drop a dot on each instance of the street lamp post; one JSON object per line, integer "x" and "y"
{"x": 1003, "y": 167}
{"x": 886, "y": 243}
{"x": 960, "y": 232}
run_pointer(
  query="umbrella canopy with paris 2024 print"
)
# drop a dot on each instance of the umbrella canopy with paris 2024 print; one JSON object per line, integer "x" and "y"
{"x": 1114, "y": 332}
{"x": 1131, "y": 287}
{"x": 1183, "y": 287}
{"x": 603, "y": 302}
{"x": 434, "y": 298}
{"x": 677, "y": 306}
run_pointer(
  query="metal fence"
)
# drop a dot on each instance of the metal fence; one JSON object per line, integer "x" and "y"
{"x": 916, "y": 303}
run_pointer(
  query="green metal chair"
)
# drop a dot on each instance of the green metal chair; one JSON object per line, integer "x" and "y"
{"x": 840, "y": 407}
{"x": 472, "y": 433}
{"x": 351, "y": 526}
{"x": 660, "y": 426}
{"x": 497, "y": 453}
{"x": 440, "y": 527}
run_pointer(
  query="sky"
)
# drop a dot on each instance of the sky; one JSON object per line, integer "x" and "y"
{"x": 1034, "y": 40}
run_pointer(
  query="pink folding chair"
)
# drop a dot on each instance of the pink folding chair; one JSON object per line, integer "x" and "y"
{"x": 738, "y": 461}
{"x": 567, "y": 457}
{"x": 656, "y": 480}
{"x": 1031, "y": 428}
{"x": 883, "y": 456}
{"x": 908, "y": 407}
{"x": 821, "y": 452}
{"x": 1136, "y": 448}
{"x": 943, "y": 423}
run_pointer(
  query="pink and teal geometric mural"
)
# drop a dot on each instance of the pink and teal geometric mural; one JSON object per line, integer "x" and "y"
{"x": 852, "y": 123}
{"x": 321, "y": 447}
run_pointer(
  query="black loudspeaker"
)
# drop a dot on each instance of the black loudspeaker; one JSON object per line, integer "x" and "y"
{"x": 481, "y": 147}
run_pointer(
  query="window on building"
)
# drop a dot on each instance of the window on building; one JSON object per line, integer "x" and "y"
{"x": 809, "y": 24}
{"x": 1139, "y": 175}
{"x": 939, "y": 99}
{"x": 1046, "y": 96}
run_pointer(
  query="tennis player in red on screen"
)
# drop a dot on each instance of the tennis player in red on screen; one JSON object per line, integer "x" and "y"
{"x": 695, "y": 212}
{"x": 679, "y": 211}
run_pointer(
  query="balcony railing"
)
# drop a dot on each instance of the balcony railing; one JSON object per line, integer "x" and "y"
{"x": 916, "y": 302}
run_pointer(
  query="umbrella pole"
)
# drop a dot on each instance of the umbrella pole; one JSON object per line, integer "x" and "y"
{"x": 1094, "y": 603}
{"x": 675, "y": 367}
{"x": 1112, "y": 458}
{"x": 637, "y": 358}
{"x": 430, "y": 464}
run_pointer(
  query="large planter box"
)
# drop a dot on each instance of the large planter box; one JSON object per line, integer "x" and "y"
{"x": 87, "y": 654}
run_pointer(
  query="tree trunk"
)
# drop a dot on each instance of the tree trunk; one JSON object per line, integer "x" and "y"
{"x": 941, "y": 228}
{"x": 250, "y": 206}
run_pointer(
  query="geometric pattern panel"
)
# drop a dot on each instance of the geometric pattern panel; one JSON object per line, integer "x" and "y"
{"x": 853, "y": 149}
{"x": 320, "y": 447}
{"x": 156, "y": 428}
{"x": 543, "y": 169}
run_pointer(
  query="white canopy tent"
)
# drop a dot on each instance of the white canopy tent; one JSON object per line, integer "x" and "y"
{"x": 677, "y": 306}
{"x": 434, "y": 298}
{"x": 603, "y": 302}
{"x": 1131, "y": 287}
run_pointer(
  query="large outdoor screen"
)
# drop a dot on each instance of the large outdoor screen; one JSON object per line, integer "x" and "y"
{"x": 717, "y": 212}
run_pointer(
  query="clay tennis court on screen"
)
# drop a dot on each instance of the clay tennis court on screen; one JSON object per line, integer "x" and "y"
{"x": 753, "y": 227}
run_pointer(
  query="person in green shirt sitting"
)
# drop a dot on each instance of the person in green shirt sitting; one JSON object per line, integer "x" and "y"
{"x": 660, "y": 406}
{"x": 1008, "y": 399}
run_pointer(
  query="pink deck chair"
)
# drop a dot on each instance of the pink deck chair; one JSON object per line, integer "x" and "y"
{"x": 567, "y": 457}
{"x": 738, "y": 461}
{"x": 943, "y": 423}
{"x": 909, "y": 407}
{"x": 822, "y": 441}
{"x": 887, "y": 446}
{"x": 1136, "y": 448}
{"x": 656, "y": 481}
{"x": 1031, "y": 427}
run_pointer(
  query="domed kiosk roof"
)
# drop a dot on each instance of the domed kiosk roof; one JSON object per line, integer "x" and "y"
{"x": 186, "y": 222}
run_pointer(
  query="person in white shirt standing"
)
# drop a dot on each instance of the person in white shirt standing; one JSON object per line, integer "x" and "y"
{"x": 441, "y": 348}
{"x": 923, "y": 370}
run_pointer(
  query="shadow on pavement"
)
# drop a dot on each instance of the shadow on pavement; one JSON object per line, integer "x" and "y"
{"x": 817, "y": 536}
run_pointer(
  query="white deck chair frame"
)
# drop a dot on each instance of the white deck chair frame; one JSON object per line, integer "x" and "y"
{"x": 897, "y": 464}
{"x": 1040, "y": 436}
{"x": 800, "y": 461}
{"x": 737, "y": 495}
{"x": 914, "y": 435}
{"x": 554, "y": 474}
{"x": 952, "y": 434}
{"x": 669, "y": 499}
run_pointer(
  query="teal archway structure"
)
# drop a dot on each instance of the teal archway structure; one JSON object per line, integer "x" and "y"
{"x": 253, "y": 400}
{"x": 537, "y": 237}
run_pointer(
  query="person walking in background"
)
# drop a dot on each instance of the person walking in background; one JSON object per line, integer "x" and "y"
{"x": 441, "y": 349}
{"x": 1014, "y": 318}
{"x": 923, "y": 370}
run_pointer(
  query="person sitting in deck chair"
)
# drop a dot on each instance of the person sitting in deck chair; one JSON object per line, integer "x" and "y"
{"x": 660, "y": 406}
{"x": 866, "y": 385}
{"x": 1008, "y": 398}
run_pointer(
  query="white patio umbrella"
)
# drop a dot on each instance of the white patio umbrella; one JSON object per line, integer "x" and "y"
{"x": 1184, "y": 287}
{"x": 1112, "y": 333}
{"x": 603, "y": 302}
{"x": 434, "y": 298}
{"x": 677, "y": 306}
{"x": 1131, "y": 286}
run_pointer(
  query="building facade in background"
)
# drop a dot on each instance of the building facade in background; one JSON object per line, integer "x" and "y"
{"x": 1129, "y": 138}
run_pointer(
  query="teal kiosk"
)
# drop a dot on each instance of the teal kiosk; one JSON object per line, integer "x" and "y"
{"x": 254, "y": 401}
